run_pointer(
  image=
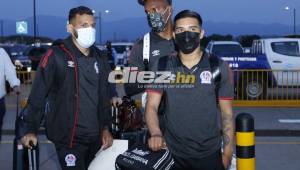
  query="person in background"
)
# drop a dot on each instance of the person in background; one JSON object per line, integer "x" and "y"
{"x": 159, "y": 15}
{"x": 7, "y": 73}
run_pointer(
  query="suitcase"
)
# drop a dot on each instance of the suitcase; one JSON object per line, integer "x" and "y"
{"x": 23, "y": 158}
{"x": 32, "y": 158}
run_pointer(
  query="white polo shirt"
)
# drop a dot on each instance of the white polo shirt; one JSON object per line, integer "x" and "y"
{"x": 7, "y": 72}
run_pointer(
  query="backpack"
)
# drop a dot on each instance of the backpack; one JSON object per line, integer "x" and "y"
{"x": 142, "y": 158}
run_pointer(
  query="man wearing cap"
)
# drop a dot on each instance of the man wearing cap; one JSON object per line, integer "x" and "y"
{"x": 159, "y": 15}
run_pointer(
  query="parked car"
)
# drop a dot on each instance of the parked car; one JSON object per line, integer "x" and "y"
{"x": 224, "y": 47}
{"x": 122, "y": 51}
{"x": 35, "y": 53}
{"x": 16, "y": 53}
{"x": 273, "y": 62}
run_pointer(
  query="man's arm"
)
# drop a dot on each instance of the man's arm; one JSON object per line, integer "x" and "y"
{"x": 36, "y": 101}
{"x": 10, "y": 70}
{"x": 228, "y": 130}
{"x": 156, "y": 140}
{"x": 225, "y": 101}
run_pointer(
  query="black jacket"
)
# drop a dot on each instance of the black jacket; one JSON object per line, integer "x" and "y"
{"x": 57, "y": 81}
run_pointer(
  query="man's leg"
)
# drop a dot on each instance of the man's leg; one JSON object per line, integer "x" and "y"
{"x": 211, "y": 162}
{"x": 72, "y": 158}
{"x": 94, "y": 147}
{"x": 2, "y": 113}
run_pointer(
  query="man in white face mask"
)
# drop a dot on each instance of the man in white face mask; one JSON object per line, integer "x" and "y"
{"x": 73, "y": 77}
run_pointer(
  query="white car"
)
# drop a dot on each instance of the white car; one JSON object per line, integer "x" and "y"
{"x": 122, "y": 50}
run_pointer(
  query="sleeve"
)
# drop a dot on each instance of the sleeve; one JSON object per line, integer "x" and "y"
{"x": 135, "y": 60}
{"x": 226, "y": 88}
{"x": 10, "y": 71}
{"x": 39, "y": 91}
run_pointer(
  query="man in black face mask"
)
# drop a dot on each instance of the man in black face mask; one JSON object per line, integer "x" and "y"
{"x": 192, "y": 133}
{"x": 159, "y": 41}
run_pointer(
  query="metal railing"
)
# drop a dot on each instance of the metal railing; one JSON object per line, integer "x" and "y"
{"x": 26, "y": 77}
{"x": 267, "y": 85}
{"x": 258, "y": 87}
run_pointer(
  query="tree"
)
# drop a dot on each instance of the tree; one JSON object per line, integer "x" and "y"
{"x": 246, "y": 40}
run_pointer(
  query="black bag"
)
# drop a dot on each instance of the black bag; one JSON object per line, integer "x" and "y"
{"x": 141, "y": 158}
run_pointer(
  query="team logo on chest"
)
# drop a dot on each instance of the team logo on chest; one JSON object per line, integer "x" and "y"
{"x": 71, "y": 64}
{"x": 206, "y": 77}
{"x": 70, "y": 160}
{"x": 96, "y": 66}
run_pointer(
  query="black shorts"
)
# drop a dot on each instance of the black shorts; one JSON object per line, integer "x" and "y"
{"x": 212, "y": 162}
{"x": 80, "y": 156}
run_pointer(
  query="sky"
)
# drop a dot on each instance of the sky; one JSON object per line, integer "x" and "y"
{"x": 253, "y": 11}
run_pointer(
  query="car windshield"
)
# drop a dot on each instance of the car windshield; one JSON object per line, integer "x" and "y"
{"x": 227, "y": 49}
{"x": 286, "y": 48}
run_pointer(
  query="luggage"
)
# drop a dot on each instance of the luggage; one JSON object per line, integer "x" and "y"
{"x": 142, "y": 158}
{"x": 32, "y": 158}
{"x": 128, "y": 123}
{"x": 23, "y": 158}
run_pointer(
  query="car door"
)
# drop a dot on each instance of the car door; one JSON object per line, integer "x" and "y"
{"x": 284, "y": 59}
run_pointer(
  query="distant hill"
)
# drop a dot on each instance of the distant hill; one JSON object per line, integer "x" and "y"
{"x": 132, "y": 28}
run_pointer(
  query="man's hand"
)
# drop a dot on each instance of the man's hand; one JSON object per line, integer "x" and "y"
{"x": 156, "y": 142}
{"x": 226, "y": 160}
{"x": 116, "y": 101}
{"x": 17, "y": 89}
{"x": 30, "y": 137}
{"x": 107, "y": 139}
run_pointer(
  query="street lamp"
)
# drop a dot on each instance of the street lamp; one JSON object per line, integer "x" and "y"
{"x": 294, "y": 12}
{"x": 100, "y": 23}
{"x": 2, "y": 28}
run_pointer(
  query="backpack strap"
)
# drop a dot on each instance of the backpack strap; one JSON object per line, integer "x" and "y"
{"x": 214, "y": 63}
{"x": 146, "y": 51}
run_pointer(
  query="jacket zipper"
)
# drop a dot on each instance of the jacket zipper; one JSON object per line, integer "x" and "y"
{"x": 77, "y": 96}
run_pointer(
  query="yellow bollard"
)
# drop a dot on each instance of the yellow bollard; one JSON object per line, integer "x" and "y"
{"x": 245, "y": 142}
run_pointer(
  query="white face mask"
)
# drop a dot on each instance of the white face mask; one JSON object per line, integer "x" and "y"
{"x": 86, "y": 37}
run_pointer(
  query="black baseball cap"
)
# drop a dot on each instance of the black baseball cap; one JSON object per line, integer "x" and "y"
{"x": 142, "y": 2}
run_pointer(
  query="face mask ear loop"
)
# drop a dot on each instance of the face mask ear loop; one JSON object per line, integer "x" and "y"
{"x": 168, "y": 16}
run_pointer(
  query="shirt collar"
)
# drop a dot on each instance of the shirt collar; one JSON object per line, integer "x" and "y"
{"x": 202, "y": 63}
{"x": 157, "y": 38}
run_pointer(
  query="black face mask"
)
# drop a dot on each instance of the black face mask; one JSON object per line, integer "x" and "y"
{"x": 157, "y": 21}
{"x": 187, "y": 41}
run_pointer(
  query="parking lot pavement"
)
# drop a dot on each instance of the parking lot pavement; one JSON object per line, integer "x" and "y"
{"x": 272, "y": 153}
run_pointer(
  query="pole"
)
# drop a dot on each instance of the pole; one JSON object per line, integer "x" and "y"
{"x": 245, "y": 142}
{"x": 100, "y": 27}
{"x": 295, "y": 31}
{"x": 2, "y": 31}
{"x": 34, "y": 21}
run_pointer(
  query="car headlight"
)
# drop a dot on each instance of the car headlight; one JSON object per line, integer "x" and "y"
{"x": 18, "y": 63}
{"x": 28, "y": 69}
